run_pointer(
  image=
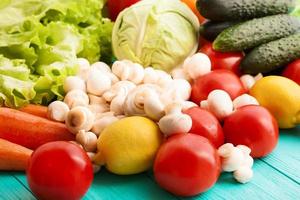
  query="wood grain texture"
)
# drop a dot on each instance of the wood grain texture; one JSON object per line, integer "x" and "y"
{"x": 276, "y": 177}
{"x": 12, "y": 189}
{"x": 286, "y": 157}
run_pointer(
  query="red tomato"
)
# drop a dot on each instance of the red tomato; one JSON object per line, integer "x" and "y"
{"x": 116, "y": 6}
{"x": 219, "y": 60}
{"x": 206, "y": 125}
{"x": 186, "y": 165}
{"x": 292, "y": 71}
{"x": 218, "y": 79}
{"x": 253, "y": 126}
{"x": 59, "y": 170}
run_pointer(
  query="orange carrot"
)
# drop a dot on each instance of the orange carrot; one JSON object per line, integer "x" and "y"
{"x": 36, "y": 110}
{"x": 30, "y": 131}
{"x": 13, "y": 156}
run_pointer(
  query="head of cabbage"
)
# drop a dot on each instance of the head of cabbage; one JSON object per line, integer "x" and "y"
{"x": 156, "y": 33}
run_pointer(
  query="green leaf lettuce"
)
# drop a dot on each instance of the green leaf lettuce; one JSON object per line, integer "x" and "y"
{"x": 40, "y": 41}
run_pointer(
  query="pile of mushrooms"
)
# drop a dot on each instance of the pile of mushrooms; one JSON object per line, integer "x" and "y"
{"x": 99, "y": 95}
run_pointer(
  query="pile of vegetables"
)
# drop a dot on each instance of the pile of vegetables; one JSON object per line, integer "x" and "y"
{"x": 40, "y": 42}
{"x": 264, "y": 29}
{"x": 162, "y": 105}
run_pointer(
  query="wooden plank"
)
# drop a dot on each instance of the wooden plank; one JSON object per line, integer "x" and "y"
{"x": 286, "y": 157}
{"x": 107, "y": 186}
{"x": 12, "y": 189}
{"x": 267, "y": 184}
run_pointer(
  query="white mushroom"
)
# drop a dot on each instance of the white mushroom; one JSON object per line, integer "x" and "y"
{"x": 153, "y": 107}
{"x": 101, "y": 66}
{"x": 104, "y": 68}
{"x": 82, "y": 62}
{"x": 76, "y": 143}
{"x": 246, "y": 150}
{"x": 126, "y": 70}
{"x": 164, "y": 79}
{"x": 117, "y": 105}
{"x": 232, "y": 158}
{"x": 84, "y": 67}
{"x": 181, "y": 87}
{"x": 137, "y": 74}
{"x": 120, "y": 88}
{"x": 248, "y": 81}
{"x": 121, "y": 68}
{"x": 99, "y": 108}
{"x": 96, "y": 100}
{"x": 175, "y": 121}
{"x": 178, "y": 73}
{"x": 220, "y": 104}
{"x": 98, "y": 82}
{"x": 91, "y": 155}
{"x": 237, "y": 160}
{"x": 243, "y": 174}
{"x": 74, "y": 83}
{"x": 80, "y": 118}
{"x": 187, "y": 104}
{"x": 134, "y": 103}
{"x": 88, "y": 140}
{"x": 100, "y": 115}
{"x": 102, "y": 122}
{"x": 76, "y": 98}
{"x": 157, "y": 77}
{"x": 150, "y": 75}
{"x": 248, "y": 160}
{"x": 177, "y": 90}
{"x": 225, "y": 150}
{"x": 258, "y": 77}
{"x": 244, "y": 100}
{"x": 58, "y": 111}
{"x": 197, "y": 65}
{"x": 204, "y": 105}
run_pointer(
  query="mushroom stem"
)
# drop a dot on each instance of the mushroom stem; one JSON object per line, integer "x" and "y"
{"x": 80, "y": 118}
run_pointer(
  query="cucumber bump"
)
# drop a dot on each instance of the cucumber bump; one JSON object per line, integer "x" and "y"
{"x": 272, "y": 55}
{"x": 230, "y": 10}
{"x": 255, "y": 32}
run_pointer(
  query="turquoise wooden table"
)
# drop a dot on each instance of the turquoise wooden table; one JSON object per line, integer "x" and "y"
{"x": 275, "y": 177}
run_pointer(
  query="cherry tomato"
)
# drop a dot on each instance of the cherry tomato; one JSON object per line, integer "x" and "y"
{"x": 192, "y": 5}
{"x": 219, "y": 60}
{"x": 292, "y": 71}
{"x": 186, "y": 165}
{"x": 218, "y": 79}
{"x": 206, "y": 125}
{"x": 253, "y": 126}
{"x": 116, "y": 6}
{"x": 59, "y": 170}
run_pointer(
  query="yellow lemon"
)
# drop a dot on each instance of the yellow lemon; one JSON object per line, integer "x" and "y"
{"x": 281, "y": 96}
{"x": 129, "y": 145}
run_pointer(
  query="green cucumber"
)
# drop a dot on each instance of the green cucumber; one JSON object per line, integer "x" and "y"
{"x": 273, "y": 55}
{"x": 231, "y": 10}
{"x": 210, "y": 29}
{"x": 255, "y": 32}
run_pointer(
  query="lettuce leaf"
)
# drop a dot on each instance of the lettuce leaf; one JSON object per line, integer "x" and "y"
{"x": 16, "y": 87}
{"x": 40, "y": 41}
